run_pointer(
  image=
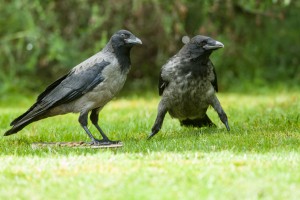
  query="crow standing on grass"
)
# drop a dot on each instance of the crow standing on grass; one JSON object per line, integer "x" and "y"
{"x": 188, "y": 83}
{"x": 86, "y": 88}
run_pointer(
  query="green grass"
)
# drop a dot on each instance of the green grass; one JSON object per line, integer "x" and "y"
{"x": 258, "y": 159}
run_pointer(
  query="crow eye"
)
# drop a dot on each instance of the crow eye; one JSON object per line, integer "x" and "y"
{"x": 123, "y": 35}
{"x": 203, "y": 43}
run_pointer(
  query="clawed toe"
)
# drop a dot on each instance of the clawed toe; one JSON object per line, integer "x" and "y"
{"x": 227, "y": 126}
{"x": 104, "y": 142}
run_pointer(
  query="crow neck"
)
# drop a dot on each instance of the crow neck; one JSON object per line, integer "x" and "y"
{"x": 122, "y": 54}
{"x": 204, "y": 58}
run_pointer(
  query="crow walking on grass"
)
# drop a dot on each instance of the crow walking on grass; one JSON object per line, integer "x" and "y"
{"x": 88, "y": 87}
{"x": 188, "y": 84}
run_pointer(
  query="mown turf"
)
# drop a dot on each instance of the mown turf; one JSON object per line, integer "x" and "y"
{"x": 258, "y": 159}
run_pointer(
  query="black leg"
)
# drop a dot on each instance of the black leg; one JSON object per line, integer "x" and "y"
{"x": 83, "y": 122}
{"x": 94, "y": 118}
{"x": 218, "y": 108}
{"x": 159, "y": 119}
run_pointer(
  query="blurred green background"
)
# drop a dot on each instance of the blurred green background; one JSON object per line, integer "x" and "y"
{"x": 41, "y": 40}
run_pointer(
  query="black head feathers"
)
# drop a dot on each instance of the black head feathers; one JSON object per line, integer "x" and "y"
{"x": 200, "y": 45}
{"x": 124, "y": 38}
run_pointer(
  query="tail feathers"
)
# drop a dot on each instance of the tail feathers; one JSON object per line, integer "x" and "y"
{"x": 199, "y": 122}
{"x": 16, "y": 128}
{"x": 22, "y": 121}
{"x": 19, "y": 119}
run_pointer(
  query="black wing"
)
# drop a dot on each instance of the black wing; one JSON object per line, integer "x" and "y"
{"x": 41, "y": 96}
{"x": 66, "y": 89}
{"x": 215, "y": 81}
{"x": 75, "y": 85}
{"x": 162, "y": 84}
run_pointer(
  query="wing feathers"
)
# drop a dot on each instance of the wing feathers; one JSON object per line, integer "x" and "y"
{"x": 161, "y": 84}
{"x": 41, "y": 96}
{"x": 64, "y": 90}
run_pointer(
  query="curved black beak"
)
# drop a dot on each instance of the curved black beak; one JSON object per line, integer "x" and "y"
{"x": 213, "y": 45}
{"x": 133, "y": 41}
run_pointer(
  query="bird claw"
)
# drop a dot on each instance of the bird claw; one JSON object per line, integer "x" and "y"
{"x": 227, "y": 126}
{"x": 103, "y": 142}
{"x": 150, "y": 136}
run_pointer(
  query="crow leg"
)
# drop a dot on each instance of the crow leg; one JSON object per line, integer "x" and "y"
{"x": 94, "y": 118}
{"x": 83, "y": 120}
{"x": 218, "y": 108}
{"x": 162, "y": 110}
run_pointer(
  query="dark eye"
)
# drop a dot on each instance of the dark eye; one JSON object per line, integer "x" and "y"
{"x": 123, "y": 35}
{"x": 202, "y": 43}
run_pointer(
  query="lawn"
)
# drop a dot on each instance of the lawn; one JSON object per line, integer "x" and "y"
{"x": 258, "y": 159}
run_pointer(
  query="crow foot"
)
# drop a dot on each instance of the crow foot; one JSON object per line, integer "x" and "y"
{"x": 227, "y": 125}
{"x": 151, "y": 135}
{"x": 104, "y": 142}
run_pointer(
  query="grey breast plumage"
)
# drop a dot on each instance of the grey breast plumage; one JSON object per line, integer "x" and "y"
{"x": 187, "y": 84}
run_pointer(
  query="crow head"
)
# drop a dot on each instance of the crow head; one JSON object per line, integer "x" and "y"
{"x": 200, "y": 46}
{"x": 206, "y": 43}
{"x": 124, "y": 38}
{"x": 120, "y": 45}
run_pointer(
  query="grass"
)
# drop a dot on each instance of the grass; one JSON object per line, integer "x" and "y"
{"x": 258, "y": 159}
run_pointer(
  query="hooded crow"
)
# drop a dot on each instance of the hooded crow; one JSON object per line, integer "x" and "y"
{"x": 88, "y": 87}
{"x": 188, "y": 84}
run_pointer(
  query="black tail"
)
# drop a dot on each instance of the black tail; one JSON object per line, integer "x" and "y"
{"x": 199, "y": 122}
{"x": 19, "y": 123}
{"x": 19, "y": 119}
{"x": 16, "y": 128}
{"x": 36, "y": 112}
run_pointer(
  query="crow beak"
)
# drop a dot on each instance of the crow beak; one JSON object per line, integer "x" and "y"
{"x": 133, "y": 41}
{"x": 213, "y": 46}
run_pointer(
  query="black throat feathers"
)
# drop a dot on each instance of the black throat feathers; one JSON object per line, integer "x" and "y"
{"x": 123, "y": 56}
